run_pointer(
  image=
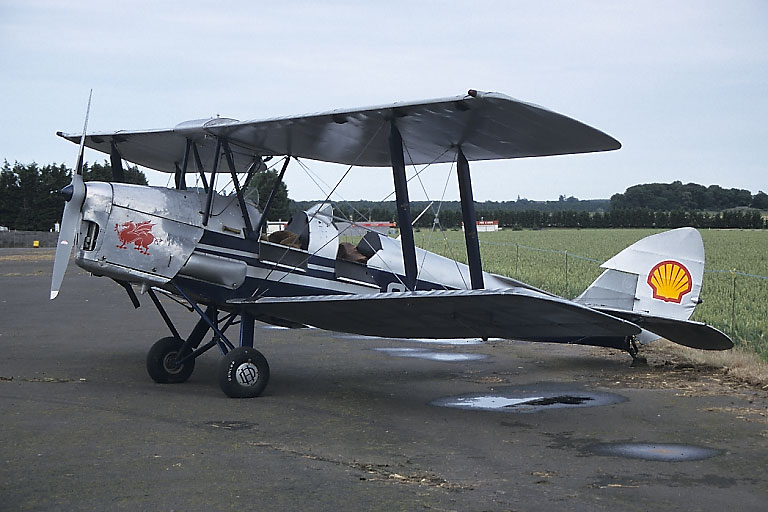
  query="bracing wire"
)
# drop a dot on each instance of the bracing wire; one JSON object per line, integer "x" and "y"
{"x": 326, "y": 200}
{"x": 436, "y": 216}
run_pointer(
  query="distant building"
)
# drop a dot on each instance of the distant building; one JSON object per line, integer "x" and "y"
{"x": 485, "y": 225}
{"x": 276, "y": 225}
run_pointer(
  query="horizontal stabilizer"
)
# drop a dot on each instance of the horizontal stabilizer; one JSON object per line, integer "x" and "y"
{"x": 683, "y": 332}
{"x": 515, "y": 313}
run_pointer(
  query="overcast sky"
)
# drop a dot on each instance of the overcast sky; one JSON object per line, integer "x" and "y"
{"x": 683, "y": 85}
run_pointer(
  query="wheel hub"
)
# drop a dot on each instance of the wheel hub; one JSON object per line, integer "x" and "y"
{"x": 170, "y": 364}
{"x": 247, "y": 374}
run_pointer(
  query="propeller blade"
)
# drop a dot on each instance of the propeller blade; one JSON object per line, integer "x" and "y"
{"x": 70, "y": 225}
{"x": 79, "y": 165}
{"x": 74, "y": 193}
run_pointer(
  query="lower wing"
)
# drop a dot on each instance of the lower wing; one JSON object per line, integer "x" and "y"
{"x": 515, "y": 313}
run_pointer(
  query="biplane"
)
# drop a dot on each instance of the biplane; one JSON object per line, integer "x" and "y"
{"x": 206, "y": 248}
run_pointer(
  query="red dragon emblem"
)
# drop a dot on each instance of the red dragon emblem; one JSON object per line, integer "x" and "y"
{"x": 138, "y": 234}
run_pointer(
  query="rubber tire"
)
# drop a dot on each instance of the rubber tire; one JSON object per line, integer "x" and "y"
{"x": 232, "y": 366}
{"x": 159, "y": 358}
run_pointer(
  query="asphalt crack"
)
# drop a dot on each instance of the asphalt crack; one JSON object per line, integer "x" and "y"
{"x": 49, "y": 380}
{"x": 375, "y": 472}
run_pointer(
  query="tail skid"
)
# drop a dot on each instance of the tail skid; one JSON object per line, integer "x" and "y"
{"x": 655, "y": 283}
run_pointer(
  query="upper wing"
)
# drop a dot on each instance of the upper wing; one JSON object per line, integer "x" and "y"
{"x": 163, "y": 150}
{"x": 515, "y": 313}
{"x": 487, "y": 126}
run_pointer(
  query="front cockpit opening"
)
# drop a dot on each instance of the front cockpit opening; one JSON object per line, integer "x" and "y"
{"x": 251, "y": 196}
{"x": 91, "y": 235}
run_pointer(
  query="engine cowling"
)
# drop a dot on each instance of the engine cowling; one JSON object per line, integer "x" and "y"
{"x": 138, "y": 233}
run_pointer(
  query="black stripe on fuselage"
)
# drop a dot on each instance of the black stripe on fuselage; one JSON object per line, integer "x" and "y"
{"x": 247, "y": 250}
{"x": 230, "y": 242}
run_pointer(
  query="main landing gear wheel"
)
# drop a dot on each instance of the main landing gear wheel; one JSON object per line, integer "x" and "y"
{"x": 243, "y": 373}
{"x": 161, "y": 362}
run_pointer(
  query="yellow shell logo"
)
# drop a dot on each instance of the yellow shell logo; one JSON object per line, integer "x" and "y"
{"x": 669, "y": 281}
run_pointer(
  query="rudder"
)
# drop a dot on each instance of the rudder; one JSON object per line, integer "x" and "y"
{"x": 660, "y": 275}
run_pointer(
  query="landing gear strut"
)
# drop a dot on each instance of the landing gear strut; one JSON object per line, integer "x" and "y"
{"x": 633, "y": 351}
{"x": 243, "y": 373}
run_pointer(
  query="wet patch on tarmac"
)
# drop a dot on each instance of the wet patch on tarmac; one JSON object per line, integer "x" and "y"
{"x": 529, "y": 400}
{"x": 457, "y": 341}
{"x": 231, "y": 425}
{"x": 676, "y": 480}
{"x": 422, "y": 353}
{"x": 655, "y": 451}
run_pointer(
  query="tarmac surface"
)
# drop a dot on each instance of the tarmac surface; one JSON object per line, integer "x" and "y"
{"x": 345, "y": 425}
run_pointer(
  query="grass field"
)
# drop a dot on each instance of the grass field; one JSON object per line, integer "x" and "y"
{"x": 566, "y": 261}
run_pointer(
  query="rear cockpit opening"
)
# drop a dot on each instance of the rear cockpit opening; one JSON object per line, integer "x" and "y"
{"x": 324, "y": 235}
{"x": 349, "y": 252}
{"x": 314, "y": 234}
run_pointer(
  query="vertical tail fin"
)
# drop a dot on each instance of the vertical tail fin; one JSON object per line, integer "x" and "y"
{"x": 659, "y": 275}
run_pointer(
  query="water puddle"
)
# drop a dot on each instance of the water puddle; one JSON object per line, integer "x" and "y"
{"x": 422, "y": 353}
{"x": 231, "y": 425}
{"x": 457, "y": 341}
{"x": 656, "y": 452}
{"x": 529, "y": 400}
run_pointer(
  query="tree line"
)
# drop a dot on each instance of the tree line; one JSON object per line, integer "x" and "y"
{"x": 628, "y": 218}
{"x": 660, "y": 205}
{"x": 691, "y": 196}
{"x": 30, "y": 194}
{"x": 360, "y": 209}
{"x": 449, "y": 218}
{"x": 30, "y": 199}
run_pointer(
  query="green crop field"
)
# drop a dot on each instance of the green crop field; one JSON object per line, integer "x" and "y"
{"x": 566, "y": 261}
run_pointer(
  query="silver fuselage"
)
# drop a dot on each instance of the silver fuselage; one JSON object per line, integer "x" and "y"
{"x": 154, "y": 236}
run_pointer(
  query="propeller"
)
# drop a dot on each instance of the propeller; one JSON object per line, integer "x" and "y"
{"x": 74, "y": 195}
